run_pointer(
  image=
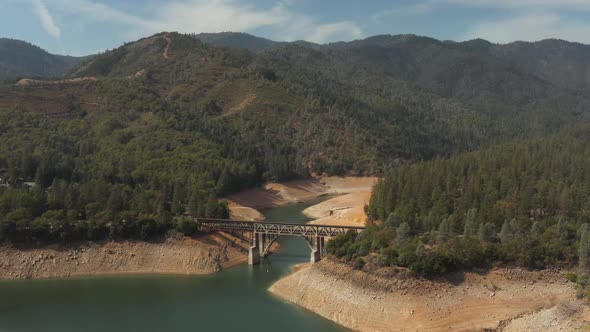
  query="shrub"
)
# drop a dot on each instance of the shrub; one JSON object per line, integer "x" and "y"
{"x": 571, "y": 277}
{"x": 186, "y": 226}
{"x": 431, "y": 264}
{"x": 358, "y": 263}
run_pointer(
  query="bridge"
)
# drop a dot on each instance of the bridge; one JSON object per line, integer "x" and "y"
{"x": 264, "y": 234}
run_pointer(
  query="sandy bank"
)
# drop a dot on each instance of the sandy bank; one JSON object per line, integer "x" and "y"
{"x": 203, "y": 255}
{"x": 239, "y": 212}
{"x": 565, "y": 317}
{"x": 393, "y": 301}
{"x": 345, "y": 210}
{"x": 245, "y": 204}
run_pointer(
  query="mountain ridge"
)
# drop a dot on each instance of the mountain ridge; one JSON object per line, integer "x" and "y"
{"x": 22, "y": 59}
{"x": 558, "y": 61}
{"x": 370, "y": 86}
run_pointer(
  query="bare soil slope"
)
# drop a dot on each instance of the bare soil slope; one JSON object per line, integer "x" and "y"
{"x": 343, "y": 210}
{"x": 204, "y": 255}
{"x": 296, "y": 191}
{"x": 565, "y": 317}
{"x": 392, "y": 301}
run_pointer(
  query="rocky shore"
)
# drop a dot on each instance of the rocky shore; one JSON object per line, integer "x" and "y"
{"x": 179, "y": 255}
{"x": 392, "y": 300}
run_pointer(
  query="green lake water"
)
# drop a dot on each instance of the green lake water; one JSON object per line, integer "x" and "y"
{"x": 235, "y": 299}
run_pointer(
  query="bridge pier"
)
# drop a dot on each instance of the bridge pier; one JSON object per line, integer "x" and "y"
{"x": 254, "y": 250}
{"x": 263, "y": 234}
{"x": 316, "y": 249}
{"x": 262, "y": 239}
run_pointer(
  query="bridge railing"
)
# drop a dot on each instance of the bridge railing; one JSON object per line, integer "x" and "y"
{"x": 276, "y": 228}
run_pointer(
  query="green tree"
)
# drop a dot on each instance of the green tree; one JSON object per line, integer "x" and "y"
{"x": 470, "y": 223}
{"x": 506, "y": 234}
{"x": 211, "y": 207}
{"x": 486, "y": 232}
{"x": 584, "y": 249}
{"x": 444, "y": 231}
{"x": 402, "y": 234}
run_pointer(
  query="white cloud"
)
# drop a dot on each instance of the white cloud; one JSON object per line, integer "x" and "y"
{"x": 40, "y": 9}
{"x": 334, "y": 31}
{"x": 560, "y": 5}
{"x": 98, "y": 12}
{"x": 198, "y": 16}
{"x": 420, "y": 7}
{"x": 528, "y": 20}
{"x": 214, "y": 16}
{"x": 530, "y": 28}
{"x": 411, "y": 10}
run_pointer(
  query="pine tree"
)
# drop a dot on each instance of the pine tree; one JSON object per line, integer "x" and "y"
{"x": 565, "y": 201}
{"x": 194, "y": 202}
{"x": 178, "y": 197}
{"x": 392, "y": 220}
{"x": 486, "y": 232}
{"x": 536, "y": 230}
{"x": 403, "y": 234}
{"x": 506, "y": 234}
{"x": 584, "y": 249}
{"x": 115, "y": 202}
{"x": 562, "y": 231}
{"x": 57, "y": 194}
{"x": 470, "y": 223}
{"x": 211, "y": 207}
{"x": 444, "y": 231}
{"x": 224, "y": 183}
{"x": 420, "y": 251}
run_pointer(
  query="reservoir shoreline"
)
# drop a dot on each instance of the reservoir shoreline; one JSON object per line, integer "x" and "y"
{"x": 183, "y": 255}
{"x": 393, "y": 300}
{"x": 386, "y": 299}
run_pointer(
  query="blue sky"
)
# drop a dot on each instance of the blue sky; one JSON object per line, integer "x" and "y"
{"x": 80, "y": 27}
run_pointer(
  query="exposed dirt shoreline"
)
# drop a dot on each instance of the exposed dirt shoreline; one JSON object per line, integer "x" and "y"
{"x": 353, "y": 193}
{"x": 183, "y": 255}
{"x": 501, "y": 299}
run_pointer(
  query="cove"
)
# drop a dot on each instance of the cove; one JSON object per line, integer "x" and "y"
{"x": 235, "y": 299}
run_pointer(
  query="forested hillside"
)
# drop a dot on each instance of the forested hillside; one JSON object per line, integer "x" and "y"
{"x": 524, "y": 203}
{"x": 558, "y": 61}
{"x": 237, "y": 40}
{"x": 122, "y": 176}
{"x": 162, "y": 127}
{"x": 20, "y": 59}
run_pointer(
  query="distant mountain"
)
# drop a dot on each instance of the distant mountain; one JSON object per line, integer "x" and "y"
{"x": 21, "y": 59}
{"x": 560, "y": 62}
{"x": 240, "y": 40}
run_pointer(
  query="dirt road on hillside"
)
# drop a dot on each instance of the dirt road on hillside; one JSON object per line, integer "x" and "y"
{"x": 168, "y": 42}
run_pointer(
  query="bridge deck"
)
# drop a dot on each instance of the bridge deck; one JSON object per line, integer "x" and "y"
{"x": 276, "y": 228}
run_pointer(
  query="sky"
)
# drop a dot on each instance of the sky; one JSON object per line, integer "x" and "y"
{"x": 81, "y": 27}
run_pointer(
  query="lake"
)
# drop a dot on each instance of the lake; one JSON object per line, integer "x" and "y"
{"x": 235, "y": 299}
